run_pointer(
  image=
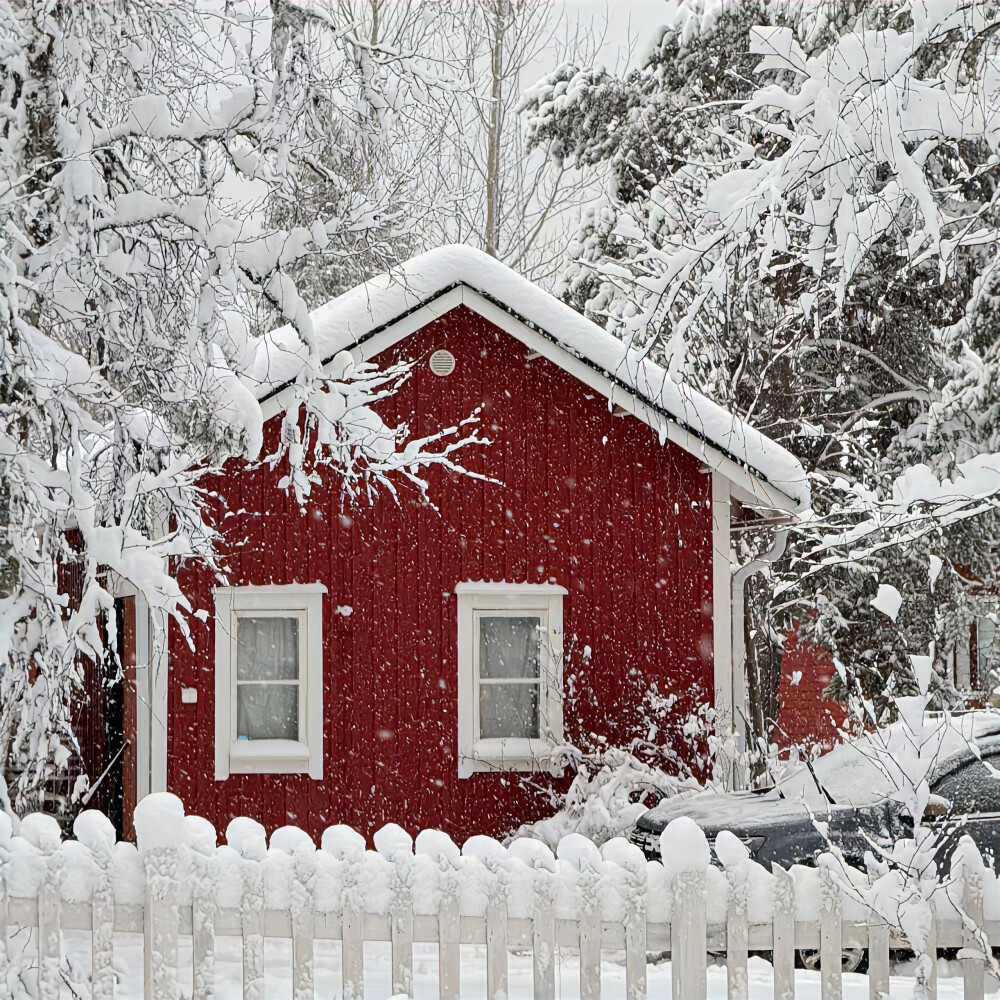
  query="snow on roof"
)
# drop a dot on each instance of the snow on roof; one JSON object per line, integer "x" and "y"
{"x": 350, "y": 318}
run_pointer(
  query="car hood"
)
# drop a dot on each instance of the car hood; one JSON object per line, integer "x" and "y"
{"x": 738, "y": 812}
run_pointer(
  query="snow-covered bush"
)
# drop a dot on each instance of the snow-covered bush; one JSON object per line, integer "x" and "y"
{"x": 671, "y": 753}
{"x": 609, "y": 792}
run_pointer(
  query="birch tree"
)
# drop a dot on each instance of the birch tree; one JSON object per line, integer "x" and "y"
{"x": 494, "y": 191}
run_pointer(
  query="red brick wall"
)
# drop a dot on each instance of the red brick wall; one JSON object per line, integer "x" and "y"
{"x": 804, "y": 716}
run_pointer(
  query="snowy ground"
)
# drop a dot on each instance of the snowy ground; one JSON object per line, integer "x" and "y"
{"x": 128, "y": 963}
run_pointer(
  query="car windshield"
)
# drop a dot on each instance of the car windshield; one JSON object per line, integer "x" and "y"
{"x": 846, "y": 772}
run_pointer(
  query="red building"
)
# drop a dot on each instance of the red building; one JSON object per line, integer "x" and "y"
{"x": 424, "y": 663}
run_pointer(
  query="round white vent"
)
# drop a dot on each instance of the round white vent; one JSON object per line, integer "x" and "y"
{"x": 442, "y": 362}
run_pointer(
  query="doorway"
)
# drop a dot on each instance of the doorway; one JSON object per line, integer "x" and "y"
{"x": 114, "y": 789}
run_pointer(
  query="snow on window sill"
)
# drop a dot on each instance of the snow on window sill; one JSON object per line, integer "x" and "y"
{"x": 510, "y": 754}
{"x": 268, "y": 757}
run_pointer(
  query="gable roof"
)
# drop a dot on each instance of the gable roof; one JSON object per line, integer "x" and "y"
{"x": 377, "y": 314}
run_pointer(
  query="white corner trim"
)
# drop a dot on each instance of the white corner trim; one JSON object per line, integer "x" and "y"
{"x": 270, "y": 756}
{"x": 143, "y": 697}
{"x": 510, "y": 754}
{"x": 159, "y": 674}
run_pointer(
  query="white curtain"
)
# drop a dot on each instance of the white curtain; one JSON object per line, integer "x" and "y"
{"x": 267, "y": 651}
{"x": 509, "y": 648}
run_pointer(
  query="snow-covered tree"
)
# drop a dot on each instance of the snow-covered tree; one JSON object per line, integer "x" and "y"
{"x": 388, "y": 59}
{"x": 803, "y": 220}
{"x": 491, "y": 189}
{"x": 144, "y": 146}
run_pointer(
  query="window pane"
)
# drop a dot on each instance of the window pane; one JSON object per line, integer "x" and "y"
{"x": 267, "y": 649}
{"x": 986, "y": 632}
{"x": 508, "y": 646}
{"x": 267, "y": 711}
{"x": 508, "y": 710}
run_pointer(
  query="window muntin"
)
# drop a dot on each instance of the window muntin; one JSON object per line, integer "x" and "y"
{"x": 267, "y": 697}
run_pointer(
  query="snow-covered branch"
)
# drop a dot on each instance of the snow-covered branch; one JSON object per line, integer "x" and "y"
{"x": 149, "y": 148}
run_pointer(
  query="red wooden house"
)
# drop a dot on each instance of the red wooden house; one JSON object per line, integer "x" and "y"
{"x": 398, "y": 661}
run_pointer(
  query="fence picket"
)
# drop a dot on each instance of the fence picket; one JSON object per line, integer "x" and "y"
{"x": 449, "y": 950}
{"x": 635, "y": 953}
{"x": 102, "y": 930}
{"x": 161, "y": 923}
{"x": 689, "y": 936}
{"x": 737, "y": 933}
{"x": 49, "y": 933}
{"x": 303, "y": 921}
{"x": 932, "y": 936}
{"x": 590, "y": 954}
{"x": 878, "y": 959}
{"x": 831, "y": 952}
{"x": 543, "y": 945}
{"x": 402, "y": 948}
{"x": 252, "y": 930}
{"x": 496, "y": 949}
{"x": 783, "y": 955}
{"x": 973, "y": 967}
{"x": 353, "y": 961}
{"x": 202, "y": 928}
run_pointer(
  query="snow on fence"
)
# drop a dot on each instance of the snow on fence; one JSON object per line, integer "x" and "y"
{"x": 177, "y": 882}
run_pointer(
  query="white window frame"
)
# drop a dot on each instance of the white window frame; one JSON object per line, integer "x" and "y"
{"x": 303, "y": 601}
{"x": 510, "y": 753}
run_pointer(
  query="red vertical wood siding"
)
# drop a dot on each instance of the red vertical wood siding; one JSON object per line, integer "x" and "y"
{"x": 584, "y": 499}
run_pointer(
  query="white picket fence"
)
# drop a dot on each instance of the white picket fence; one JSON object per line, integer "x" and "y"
{"x": 177, "y": 883}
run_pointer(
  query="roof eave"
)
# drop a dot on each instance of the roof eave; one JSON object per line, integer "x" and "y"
{"x": 753, "y": 483}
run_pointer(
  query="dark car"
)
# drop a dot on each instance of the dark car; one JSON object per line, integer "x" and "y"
{"x": 845, "y": 797}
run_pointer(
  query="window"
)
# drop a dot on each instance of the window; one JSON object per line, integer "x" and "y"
{"x": 269, "y": 680}
{"x": 269, "y": 674}
{"x": 509, "y": 677}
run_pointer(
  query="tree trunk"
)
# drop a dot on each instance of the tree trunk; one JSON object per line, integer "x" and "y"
{"x": 498, "y": 23}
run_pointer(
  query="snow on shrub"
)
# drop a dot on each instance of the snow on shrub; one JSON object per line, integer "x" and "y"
{"x": 610, "y": 791}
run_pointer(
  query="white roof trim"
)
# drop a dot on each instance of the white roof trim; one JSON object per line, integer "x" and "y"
{"x": 502, "y": 587}
{"x": 378, "y": 314}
